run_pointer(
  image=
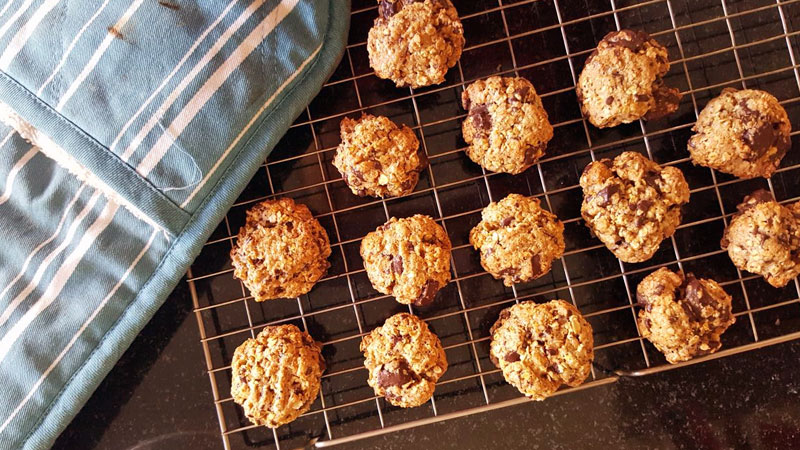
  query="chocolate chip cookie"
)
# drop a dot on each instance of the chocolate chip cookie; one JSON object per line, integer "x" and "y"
{"x": 414, "y": 42}
{"x": 507, "y": 127}
{"x": 281, "y": 251}
{"x": 683, "y": 316}
{"x": 541, "y": 347}
{"x": 408, "y": 259}
{"x": 631, "y": 204}
{"x": 517, "y": 239}
{"x": 764, "y": 238}
{"x": 744, "y": 133}
{"x": 622, "y": 80}
{"x": 405, "y": 360}
{"x": 378, "y": 158}
{"x": 276, "y": 375}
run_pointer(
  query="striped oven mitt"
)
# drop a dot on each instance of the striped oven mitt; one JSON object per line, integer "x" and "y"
{"x": 127, "y": 129}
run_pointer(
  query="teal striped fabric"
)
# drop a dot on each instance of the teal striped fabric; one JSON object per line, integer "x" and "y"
{"x": 127, "y": 128}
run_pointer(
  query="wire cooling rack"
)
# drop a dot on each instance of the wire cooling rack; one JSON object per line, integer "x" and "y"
{"x": 713, "y": 44}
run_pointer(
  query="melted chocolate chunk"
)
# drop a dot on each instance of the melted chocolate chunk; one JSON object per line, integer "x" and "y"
{"x": 757, "y": 197}
{"x": 428, "y": 293}
{"x": 641, "y": 98}
{"x": 630, "y": 39}
{"x": 536, "y": 265}
{"x": 695, "y": 296}
{"x": 651, "y": 179}
{"x": 481, "y": 119}
{"x": 388, "y": 8}
{"x": 609, "y": 100}
{"x": 398, "y": 377}
{"x": 511, "y": 357}
{"x": 506, "y": 222}
{"x": 607, "y": 192}
{"x": 760, "y": 140}
{"x": 519, "y": 95}
{"x": 644, "y": 206}
{"x": 667, "y": 101}
{"x": 397, "y": 264}
{"x": 644, "y": 302}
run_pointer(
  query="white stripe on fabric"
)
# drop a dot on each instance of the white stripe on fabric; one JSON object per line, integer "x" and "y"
{"x": 60, "y": 279}
{"x": 75, "y": 337}
{"x": 47, "y": 241}
{"x": 6, "y": 139}
{"x": 163, "y": 84}
{"x": 24, "y": 33}
{"x": 173, "y": 96}
{"x": 212, "y": 84}
{"x": 5, "y": 8}
{"x": 14, "y": 17}
{"x": 37, "y": 277}
{"x": 97, "y": 55}
{"x": 12, "y": 174}
{"x": 249, "y": 124}
{"x": 70, "y": 47}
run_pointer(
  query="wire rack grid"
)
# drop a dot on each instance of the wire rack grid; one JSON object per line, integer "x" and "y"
{"x": 713, "y": 44}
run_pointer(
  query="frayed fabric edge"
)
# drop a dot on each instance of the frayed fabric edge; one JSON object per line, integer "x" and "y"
{"x": 53, "y": 151}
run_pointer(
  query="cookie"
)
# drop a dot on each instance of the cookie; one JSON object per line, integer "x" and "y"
{"x": 517, "y": 239}
{"x": 404, "y": 359}
{"x": 632, "y": 204}
{"x": 507, "y": 127}
{"x": 276, "y": 375}
{"x": 378, "y": 158}
{"x": 408, "y": 259}
{"x": 413, "y": 42}
{"x": 281, "y": 251}
{"x": 622, "y": 80}
{"x": 764, "y": 238}
{"x": 540, "y": 347}
{"x": 743, "y": 133}
{"x": 683, "y": 316}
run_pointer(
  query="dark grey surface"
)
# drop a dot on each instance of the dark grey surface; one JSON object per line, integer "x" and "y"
{"x": 158, "y": 396}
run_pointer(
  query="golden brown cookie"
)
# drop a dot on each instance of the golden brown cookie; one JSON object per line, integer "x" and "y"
{"x": 378, "y": 158}
{"x": 517, "y": 239}
{"x": 408, "y": 259}
{"x": 405, "y": 360}
{"x": 632, "y": 204}
{"x": 683, "y": 316}
{"x": 540, "y": 347}
{"x": 764, "y": 238}
{"x": 276, "y": 375}
{"x": 622, "y": 80}
{"x": 414, "y": 42}
{"x": 507, "y": 127}
{"x": 281, "y": 251}
{"x": 744, "y": 133}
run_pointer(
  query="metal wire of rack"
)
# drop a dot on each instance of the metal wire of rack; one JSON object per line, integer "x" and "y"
{"x": 713, "y": 44}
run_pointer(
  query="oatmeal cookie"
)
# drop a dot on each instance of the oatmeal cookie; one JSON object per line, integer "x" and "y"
{"x": 404, "y": 359}
{"x": 413, "y": 42}
{"x": 408, "y": 259}
{"x": 632, "y": 204}
{"x": 622, "y": 80}
{"x": 281, "y": 251}
{"x": 540, "y": 347}
{"x": 276, "y": 375}
{"x": 517, "y": 239}
{"x": 507, "y": 128}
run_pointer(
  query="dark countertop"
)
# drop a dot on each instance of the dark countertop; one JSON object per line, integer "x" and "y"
{"x": 158, "y": 396}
